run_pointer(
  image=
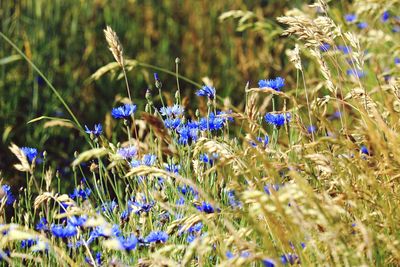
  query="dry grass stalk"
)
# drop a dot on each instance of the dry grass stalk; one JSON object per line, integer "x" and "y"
{"x": 24, "y": 165}
{"x": 313, "y": 31}
{"x": 114, "y": 45}
{"x": 294, "y": 57}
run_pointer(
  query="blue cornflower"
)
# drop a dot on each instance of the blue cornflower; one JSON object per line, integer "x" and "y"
{"x": 128, "y": 243}
{"x": 63, "y": 232}
{"x": 350, "y": 17}
{"x": 77, "y": 221}
{"x": 362, "y": 25}
{"x": 183, "y": 135}
{"x": 149, "y": 159}
{"x": 42, "y": 224}
{"x": 96, "y": 233}
{"x": 226, "y": 115}
{"x": 356, "y": 73}
{"x": 176, "y": 110}
{"x": 27, "y": 243}
{"x": 207, "y": 91}
{"x": 243, "y": 254}
{"x": 345, "y": 49}
{"x": 140, "y": 206}
{"x": 324, "y": 47}
{"x": 83, "y": 193}
{"x": 277, "y": 119}
{"x": 264, "y": 141}
{"x": 274, "y": 187}
{"x": 364, "y": 150}
{"x": 205, "y": 207}
{"x": 10, "y": 199}
{"x": 156, "y": 237}
{"x": 125, "y": 214}
{"x": 172, "y": 123}
{"x": 123, "y": 112}
{"x": 397, "y": 60}
{"x": 289, "y": 259}
{"x": 135, "y": 163}
{"x": 29, "y": 152}
{"x": 187, "y": 190}
{"x": 208, "y": 159}
{"x": 75, "y": 245}
{"x": 275, "y": 84}
{"x": 233, "y": 202}
{"x": 195, "y": 228}
{"x": 268, "y": 262}
{"x": 336, "y": 115}
{"x": 109, "y": 206}
{"x": 173, "y": 168}
{"x": 311, "y": 129}
{"x": 385, "y": 16}
{"x": 180, "y": 201}
{"x": 211, "y": 123}
{"x": 97, "y": 259}
{"x": 191, "y": 238}
{"x": 98, "y": 130}
{"x": 127, "y": 152}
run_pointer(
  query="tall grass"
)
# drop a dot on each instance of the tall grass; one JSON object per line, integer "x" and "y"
{"x": 303, "y": 173}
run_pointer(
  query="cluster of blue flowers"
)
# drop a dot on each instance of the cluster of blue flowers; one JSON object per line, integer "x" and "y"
{"x": 189, "y": 132}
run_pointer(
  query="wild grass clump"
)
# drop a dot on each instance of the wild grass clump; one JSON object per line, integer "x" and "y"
{"x": 295, "y": 176}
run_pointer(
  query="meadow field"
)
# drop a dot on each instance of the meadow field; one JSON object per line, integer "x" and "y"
{"x": 200, "y": 133}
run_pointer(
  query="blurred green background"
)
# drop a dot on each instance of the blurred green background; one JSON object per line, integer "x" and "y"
{"x": 65, "y": 40}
